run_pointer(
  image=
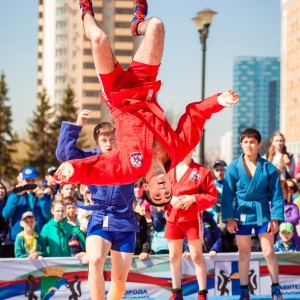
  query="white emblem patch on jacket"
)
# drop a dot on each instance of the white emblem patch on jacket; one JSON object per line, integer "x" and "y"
{"x": 195, "y": 176}
{"x": 136, "y": 159}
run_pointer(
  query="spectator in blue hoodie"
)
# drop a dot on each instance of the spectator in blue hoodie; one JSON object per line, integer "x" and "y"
{"x": 27, "y": 197}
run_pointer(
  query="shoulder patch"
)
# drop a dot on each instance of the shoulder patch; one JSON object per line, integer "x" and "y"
{"x": 136, "y": 159}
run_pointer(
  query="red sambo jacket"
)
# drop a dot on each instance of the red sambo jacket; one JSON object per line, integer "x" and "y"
{"x": 197, "y": 181}
{"x": 139, "y": 120}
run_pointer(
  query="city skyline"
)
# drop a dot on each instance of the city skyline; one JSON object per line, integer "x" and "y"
{"x": 238, "y": 29}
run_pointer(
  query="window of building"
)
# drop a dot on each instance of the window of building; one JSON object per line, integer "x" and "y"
{"x": 60, "y": 80}
{"x": 61, "y": 39}
{"x": 61, "y": 25}
{"x": 61, "y": 11}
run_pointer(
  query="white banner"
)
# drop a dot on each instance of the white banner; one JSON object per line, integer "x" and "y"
{"x": 66, "y": 278}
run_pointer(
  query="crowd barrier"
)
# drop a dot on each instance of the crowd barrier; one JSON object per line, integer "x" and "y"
{"x": 66, "y": 278}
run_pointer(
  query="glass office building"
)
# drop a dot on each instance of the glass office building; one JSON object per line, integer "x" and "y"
{"x": 257, "y": 82}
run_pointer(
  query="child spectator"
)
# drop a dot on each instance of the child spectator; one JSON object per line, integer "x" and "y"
{"x": 142, "y": 237}
{"x": 71, "y": 210}
{"x": 143, "y": 207}
{"x": 87, "y": 195}
{"x": 286, "y": 242}
{"x": 291, "y": 211}
{"x": 28, "y": 242}
{"x": 66, "y": 190}
{"x": 78, "y": 238}
{"x": 57, "y": 232}
{"x": 159, "y": 244}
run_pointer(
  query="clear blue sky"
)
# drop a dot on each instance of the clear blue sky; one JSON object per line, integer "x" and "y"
{"x": 241, "y": 28}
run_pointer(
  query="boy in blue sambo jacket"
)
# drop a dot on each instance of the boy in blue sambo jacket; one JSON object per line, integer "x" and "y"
{"x": 113, "y": 225}
{"x": 250, "y": 183}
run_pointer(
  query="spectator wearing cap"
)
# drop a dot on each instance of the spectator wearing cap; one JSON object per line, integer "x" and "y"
{"x": 228, "y": 239}
{"x": 28, "y": 242}
{"x": 49, "y": 177}
{"x": 286, "y": 242}
{"x": 27, "y": 197}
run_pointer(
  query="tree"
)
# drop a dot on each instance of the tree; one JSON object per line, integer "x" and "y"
{"x": 8, "y": 138}
{"x": 42, "y": 139}
{"x": 67, "y": 111}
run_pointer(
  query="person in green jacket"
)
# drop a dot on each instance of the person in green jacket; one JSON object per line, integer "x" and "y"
{"x": 28, "y": 243}
{"x": 57, "y": 232}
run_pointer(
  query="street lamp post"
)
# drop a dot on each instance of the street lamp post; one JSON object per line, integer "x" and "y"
{"x": 202, "y": 22}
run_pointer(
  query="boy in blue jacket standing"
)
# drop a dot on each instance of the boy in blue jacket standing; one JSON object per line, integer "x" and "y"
{"x": 250, "y": 183}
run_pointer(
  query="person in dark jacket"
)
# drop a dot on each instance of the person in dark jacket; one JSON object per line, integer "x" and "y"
{"x": 142, "y": 238}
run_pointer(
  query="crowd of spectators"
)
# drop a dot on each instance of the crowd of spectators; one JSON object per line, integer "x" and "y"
{"x": 40, "y": 218}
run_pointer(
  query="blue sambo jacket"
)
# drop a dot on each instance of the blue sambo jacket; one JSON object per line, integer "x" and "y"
{"x": 252, "y": 201}
{"x": 114, "y": 203}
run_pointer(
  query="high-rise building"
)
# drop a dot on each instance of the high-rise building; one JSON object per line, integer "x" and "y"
{"x": 64, "y": 53}
{"x": 290, "y": 74}
{"x": 257, "y": 82}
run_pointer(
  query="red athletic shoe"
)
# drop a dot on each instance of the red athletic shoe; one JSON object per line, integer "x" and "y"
{"x": 176, "y": 296}
{"x": 139, "y": 15}
{"x": 202, "y": 297}
{"x": 86, "y": 7}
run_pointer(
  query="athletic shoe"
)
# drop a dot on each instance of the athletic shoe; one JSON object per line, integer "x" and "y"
{"x": 202, "y": 297}
{"x": 276, "y": 293}
{"x": 176, "y": 296}
{"x": 245, "y": 295}
{"x": 139, "y": 15}
{"x": 86, "y": 7}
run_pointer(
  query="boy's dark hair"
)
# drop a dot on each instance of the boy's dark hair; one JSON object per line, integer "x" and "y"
{"x": 148, "y": 198}
{"x": 103, "y": 128}
{"x": 250, "y": 132}
{"x": 69, "y": 201}
{"x": 140, "y": 182}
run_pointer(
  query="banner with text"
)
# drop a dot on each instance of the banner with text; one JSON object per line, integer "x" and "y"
{"x": 66, "y": 278}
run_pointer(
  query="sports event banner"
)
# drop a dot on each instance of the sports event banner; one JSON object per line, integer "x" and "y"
{"x": 66, "y": 278}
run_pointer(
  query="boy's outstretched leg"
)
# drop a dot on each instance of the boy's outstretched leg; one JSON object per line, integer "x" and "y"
{"x": 104, "y": 59}
{"x": 151, "y": 49}
{"x": 139, "y": 15}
